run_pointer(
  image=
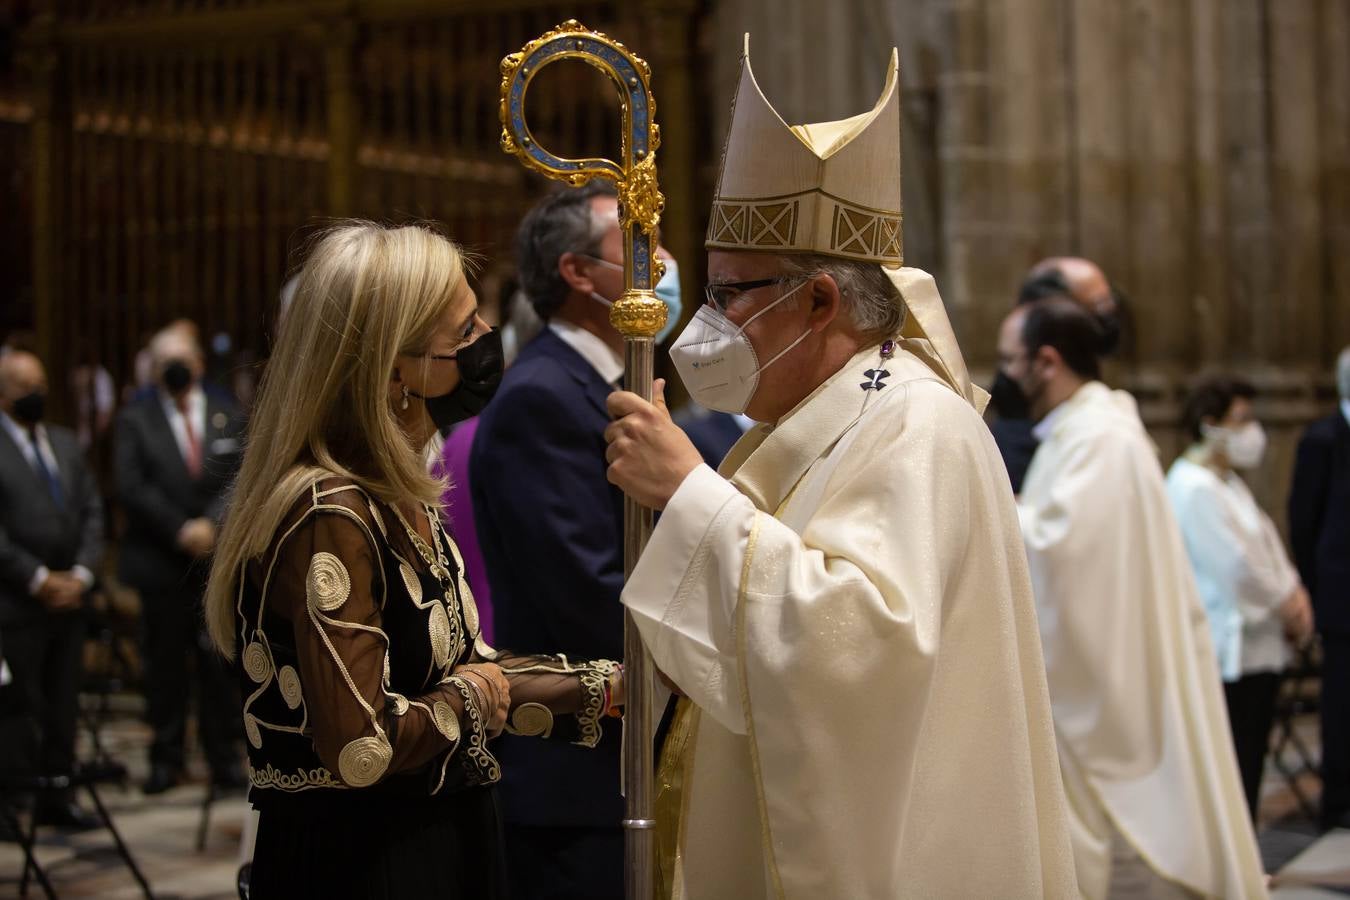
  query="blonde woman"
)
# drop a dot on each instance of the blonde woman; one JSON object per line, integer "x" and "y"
{"x": 369, "y": 695}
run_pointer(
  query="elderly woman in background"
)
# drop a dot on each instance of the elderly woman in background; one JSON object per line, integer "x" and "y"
{"x": 370, "y": 696}
{"x": 1252, "y": 594}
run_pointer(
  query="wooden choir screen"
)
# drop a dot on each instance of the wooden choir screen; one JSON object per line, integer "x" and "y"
{"x": 200, "y": 143}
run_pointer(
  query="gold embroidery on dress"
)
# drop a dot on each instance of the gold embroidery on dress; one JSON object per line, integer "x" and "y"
{"x": 482, "y": 649}
{"x": 468, "y": 607}
{"x": 593, "y": 679}
{"x": 531, "y": 720}
{"x": 438, "y": 626}
{"x": 446, "y": 721}
{"x": 289, "y": 682}
{"x": 251, "y": 731}
{"x": 303, "y": 779}
{"x": 257, "y": 665}
{"x": 412, "y": 583}
{"x": 379, "y": 519}
{"x": 484, "y": 764}
{"x": 328, "y": 585}
{"x": 400, "y": 703}
{"x": 364, "y": 760}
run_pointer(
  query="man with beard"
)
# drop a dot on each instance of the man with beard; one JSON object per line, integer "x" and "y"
{"x": 1156, "y": 804}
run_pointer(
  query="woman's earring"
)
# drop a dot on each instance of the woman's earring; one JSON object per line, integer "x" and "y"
{"x": 404, "y": 404}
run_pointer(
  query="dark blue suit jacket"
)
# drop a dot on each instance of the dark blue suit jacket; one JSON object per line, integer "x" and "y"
{"x": 551, "y": 529}
{"x": 1319, "y": 521}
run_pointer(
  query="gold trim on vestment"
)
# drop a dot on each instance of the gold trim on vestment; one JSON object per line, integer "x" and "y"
{"x": 765, "y": 833}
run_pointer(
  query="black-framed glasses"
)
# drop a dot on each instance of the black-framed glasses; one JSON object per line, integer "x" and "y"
{"x": 721, "y": 295}
{"x": 467, "y": 342}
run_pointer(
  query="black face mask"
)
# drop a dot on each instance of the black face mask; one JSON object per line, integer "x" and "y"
{"x": 176, "y": 377}
{"x": 30, "y": 408}
{"x": 1008, "y": 398}
{"x": 480, "y": 371}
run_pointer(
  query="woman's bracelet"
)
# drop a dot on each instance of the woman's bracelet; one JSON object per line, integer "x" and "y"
{"x": 612, "y": 709}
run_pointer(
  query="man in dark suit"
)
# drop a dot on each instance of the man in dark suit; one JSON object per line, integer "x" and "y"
{"x": 175, "y": 453}
{"x": 1319, "y": 529}
{"x": 551, "y": 529}
{"x": 51, "y": 543}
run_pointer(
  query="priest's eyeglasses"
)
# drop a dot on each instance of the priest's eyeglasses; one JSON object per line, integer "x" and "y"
{"x": 721, "y": 295}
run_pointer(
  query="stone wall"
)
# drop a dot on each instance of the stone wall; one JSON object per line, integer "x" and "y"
{"x": 1199, "y": 150}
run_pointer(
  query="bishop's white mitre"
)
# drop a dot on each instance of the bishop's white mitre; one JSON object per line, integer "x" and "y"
{"x": 830, "y": 188}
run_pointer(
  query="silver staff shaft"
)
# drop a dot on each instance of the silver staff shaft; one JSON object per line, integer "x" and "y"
{"x": 639, "y": 820}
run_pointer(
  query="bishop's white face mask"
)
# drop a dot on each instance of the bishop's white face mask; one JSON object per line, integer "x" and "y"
{"x": 717, "y": 362}
{"x": 1244, "y": 446}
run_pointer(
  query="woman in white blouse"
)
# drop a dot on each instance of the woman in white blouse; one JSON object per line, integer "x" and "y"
{"x": 1252, "y": 594}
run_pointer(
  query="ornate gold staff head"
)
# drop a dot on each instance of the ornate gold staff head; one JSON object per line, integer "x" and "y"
{"x": 638, "y": 313}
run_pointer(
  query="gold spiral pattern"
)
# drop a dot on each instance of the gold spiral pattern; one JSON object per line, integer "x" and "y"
{"x": 447, "y": 723}
{"x": 328, "y": 585}
{"x": 364, "y": 760}
{"x": 289, "y": 681}
{"x": 532, "y": 720}
{"x": 481, "y": 647}
{"x": 400, "y": 704}
{"x": 438, "y": 626}
{"x": 256, "y": 663}
{"x": 252, "y": 732}
{"x": 412, "y": 583}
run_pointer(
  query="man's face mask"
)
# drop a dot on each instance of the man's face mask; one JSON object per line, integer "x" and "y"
{"x": 177, "y": 376}
{"x": 717, "y": 362}
{"x": 30, "y": 408}
{"x": 480, "y": 372}
{"x": 668, "y": 289}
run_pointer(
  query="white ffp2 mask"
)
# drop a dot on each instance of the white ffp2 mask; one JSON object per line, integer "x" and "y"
{"x": 1245, "y": 446}
{"x": 717, "y": 362}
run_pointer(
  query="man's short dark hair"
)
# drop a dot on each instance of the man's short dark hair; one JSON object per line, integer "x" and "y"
{"x": 1074, "y": 332}
{"x": 560, "y": 223}
{"x": 1211, "y": 398}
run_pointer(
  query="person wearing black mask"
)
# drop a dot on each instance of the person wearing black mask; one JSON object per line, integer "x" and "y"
{"x": 51, "y": 544}
{"x": 371, "y": 701}
{"x": 1057, "y": 277}
{"x": 175, "y": 451}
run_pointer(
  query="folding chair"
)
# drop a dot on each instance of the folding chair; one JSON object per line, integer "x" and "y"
{"x": 1297, "y": 697}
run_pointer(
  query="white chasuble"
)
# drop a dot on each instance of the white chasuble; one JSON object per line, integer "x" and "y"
{"x": 1144, "y": 743}
{"x": 852, "y": 616}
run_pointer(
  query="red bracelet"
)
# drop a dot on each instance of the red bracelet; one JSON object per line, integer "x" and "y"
{"x": 611, "y": 710}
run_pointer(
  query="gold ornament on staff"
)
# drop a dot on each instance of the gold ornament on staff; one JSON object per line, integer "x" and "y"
{"x": 638, "y": 315}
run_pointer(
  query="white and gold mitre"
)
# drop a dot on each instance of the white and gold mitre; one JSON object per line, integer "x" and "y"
{"x": 831, "y": 187}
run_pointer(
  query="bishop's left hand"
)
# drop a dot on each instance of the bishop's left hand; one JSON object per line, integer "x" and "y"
{"x": 649, "y": 455}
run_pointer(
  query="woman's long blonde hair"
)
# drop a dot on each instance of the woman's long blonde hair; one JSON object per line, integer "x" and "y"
{"x": 366, "y": 294}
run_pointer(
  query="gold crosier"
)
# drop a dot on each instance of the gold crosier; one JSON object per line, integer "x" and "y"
{"x": 638, "y": 315}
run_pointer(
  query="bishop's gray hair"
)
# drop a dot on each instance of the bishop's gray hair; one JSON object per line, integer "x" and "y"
{"x": 873, "y": 303}
{"x": 1343, "y": 373}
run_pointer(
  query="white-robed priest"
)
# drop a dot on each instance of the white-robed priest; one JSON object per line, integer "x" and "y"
{"x": 1156, "y": 804}
{"x": 846, "y": 603}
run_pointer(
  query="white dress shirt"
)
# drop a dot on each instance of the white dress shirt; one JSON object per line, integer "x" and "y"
{"x": 22, "y": 437}
{"x": 595, "y": 351}
{"x": 196, "y": 409}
